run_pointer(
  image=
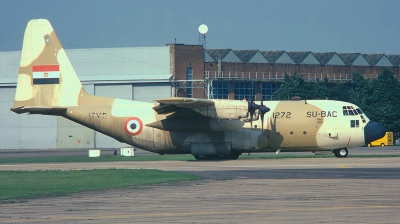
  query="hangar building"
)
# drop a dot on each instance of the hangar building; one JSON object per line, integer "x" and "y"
{"x": 141, "y": 74}
{"x": 148, "y": 73}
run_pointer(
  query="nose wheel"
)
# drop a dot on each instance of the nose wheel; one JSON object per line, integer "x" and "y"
{"x": 341, "y": 153}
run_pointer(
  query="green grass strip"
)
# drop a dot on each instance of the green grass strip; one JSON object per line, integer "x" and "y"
{"x": 33, "y": 184}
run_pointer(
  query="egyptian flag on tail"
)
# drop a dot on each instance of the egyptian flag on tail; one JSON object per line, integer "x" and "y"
{"x": 46, "y": 74}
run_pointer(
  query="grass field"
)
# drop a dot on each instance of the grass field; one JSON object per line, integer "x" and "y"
{"x": 32, "y": 184}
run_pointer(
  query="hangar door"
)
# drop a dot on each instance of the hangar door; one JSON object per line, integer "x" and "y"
{"x": 24, "y": 131}
{"x": 148, "y": 92}
{"x": 121, "y": 91}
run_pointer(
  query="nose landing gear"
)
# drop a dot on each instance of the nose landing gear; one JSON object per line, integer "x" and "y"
{"x": 341, "y": 153}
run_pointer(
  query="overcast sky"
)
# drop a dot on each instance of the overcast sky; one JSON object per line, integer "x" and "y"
{"x": 342, "y": 26}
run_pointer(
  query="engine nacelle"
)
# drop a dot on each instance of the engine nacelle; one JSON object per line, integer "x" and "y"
{"x": 225, "y": 109}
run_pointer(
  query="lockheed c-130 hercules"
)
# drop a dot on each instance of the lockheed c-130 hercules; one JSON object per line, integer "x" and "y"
{"x": 206, "y": 128}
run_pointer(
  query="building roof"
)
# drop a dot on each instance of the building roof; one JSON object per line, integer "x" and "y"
{"x": 251, "y": 56}
{"x": 348, "y": 58}
{"x": 272, "y": 56}
{"x": 324, "y": 57}
{"x": 299, "y": 56}
{"x": 245, "y": 55}
{"x": 328, "y": 58}
{"x": 218, "y": 54}
{"x": 377, "y": 59}
{"x": 207, "y": 57}
{"x": 395, "y": 59}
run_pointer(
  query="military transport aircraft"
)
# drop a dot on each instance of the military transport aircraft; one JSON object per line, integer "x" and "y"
{"x": 205, "y": 128}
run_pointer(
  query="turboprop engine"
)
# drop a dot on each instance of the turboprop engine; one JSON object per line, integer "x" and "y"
{"x": 246, "y": 111}
{"x": 224, "y": 109}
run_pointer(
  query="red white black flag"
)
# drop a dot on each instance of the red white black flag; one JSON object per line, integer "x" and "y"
{"x": 46, "y": 74}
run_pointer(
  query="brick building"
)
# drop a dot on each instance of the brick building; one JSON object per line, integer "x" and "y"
{"x": 256, "y": 75}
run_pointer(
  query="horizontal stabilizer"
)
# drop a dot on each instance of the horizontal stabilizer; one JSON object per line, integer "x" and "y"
{"x": 39, "y": 110}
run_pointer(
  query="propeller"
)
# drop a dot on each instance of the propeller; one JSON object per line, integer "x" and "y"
{"x": 261, "y": 111}
{"x": 252, "y": 108}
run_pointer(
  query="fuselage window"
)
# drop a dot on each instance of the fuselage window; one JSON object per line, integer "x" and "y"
{"x": 354, "y": 123}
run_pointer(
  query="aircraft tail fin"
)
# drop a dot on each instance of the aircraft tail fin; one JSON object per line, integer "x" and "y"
{"x": 46, "y": 77}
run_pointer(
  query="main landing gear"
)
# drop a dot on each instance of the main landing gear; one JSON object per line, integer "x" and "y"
{"x": 233, "y": 156}
{"x": 341, "y": 153}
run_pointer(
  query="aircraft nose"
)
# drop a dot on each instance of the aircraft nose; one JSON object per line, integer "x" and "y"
{"x": 373, "y": 131}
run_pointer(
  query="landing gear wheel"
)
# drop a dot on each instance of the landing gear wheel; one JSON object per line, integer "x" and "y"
{"x": 201, "y": 157}
{"x": 222, "y": 157}
{"x": 234, "y": 156}
{"x": 341, "y": 153}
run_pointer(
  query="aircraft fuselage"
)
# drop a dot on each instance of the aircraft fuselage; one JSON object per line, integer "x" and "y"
{"x": 311, "y": 125}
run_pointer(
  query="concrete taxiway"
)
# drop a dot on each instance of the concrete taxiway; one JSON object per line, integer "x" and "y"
{"x": 312, "y": 190}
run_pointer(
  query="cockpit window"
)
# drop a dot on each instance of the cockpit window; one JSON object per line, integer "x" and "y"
{"x": 363, "y": 119}
{"x": 350, "y": 111}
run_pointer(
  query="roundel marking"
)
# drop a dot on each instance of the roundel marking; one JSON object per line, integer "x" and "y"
{"x": 133, "y": 126}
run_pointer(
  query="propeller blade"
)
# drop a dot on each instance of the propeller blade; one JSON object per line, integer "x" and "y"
{"x": 252, "y": 107}
{"x": 262, "y": 122}
{"x": 261, "y": 111}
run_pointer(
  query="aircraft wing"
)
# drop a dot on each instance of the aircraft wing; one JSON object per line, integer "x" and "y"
{"x": 168, "y": 105}
{"x": 225, "y": 114}
{"x": 194, "y": 115}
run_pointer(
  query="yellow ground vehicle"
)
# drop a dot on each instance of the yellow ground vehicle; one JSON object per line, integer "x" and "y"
{"x": 386, "y": 140}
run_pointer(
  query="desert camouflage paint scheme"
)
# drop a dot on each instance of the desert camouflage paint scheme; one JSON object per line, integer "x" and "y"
{"x": 48, "y": 84}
